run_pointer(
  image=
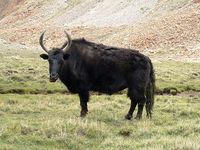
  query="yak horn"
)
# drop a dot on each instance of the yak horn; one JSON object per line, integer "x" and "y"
{"x": 41, "y": 42}
{"x": 67, "y": 44}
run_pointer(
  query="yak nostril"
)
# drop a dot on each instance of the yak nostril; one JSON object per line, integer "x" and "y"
{"x": 54, "y": 75}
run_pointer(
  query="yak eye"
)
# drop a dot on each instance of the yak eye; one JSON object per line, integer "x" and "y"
{"x": 50, "y": 61}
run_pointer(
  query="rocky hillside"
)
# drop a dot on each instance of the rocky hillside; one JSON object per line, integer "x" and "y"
{"x": 8, "y": 6}
{"x": 156, "y": 26}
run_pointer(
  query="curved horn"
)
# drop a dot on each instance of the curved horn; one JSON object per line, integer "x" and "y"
{"x": 67, "y": 44}
{"x": 41, "y": 42}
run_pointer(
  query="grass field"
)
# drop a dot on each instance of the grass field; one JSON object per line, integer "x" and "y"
{"x": 41, "y": 116}
{"x": 53, "y": 122}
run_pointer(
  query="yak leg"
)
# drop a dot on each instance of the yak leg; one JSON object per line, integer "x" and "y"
{"x": 133, "y": 104}
{"x": 141, "y": 102}
{"x": 84, "y": 98}
{"x": 137, "y": 83}
{"x": 137, "y": 97}
{"x": 131, "y": 110}
{"x": 148, "y": 110}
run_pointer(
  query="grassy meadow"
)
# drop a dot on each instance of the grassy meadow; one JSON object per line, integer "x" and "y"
{"x": 36, "y": 114}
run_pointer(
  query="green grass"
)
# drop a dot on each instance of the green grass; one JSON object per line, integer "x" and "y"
{"x": 53, "y": 122}
{"x": 176, "y": 75}
{"x": 26, "y": 74}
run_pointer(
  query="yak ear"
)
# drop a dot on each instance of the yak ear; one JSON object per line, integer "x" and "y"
{"x": 66, "y": 56}
{"x": 44, "y": 56}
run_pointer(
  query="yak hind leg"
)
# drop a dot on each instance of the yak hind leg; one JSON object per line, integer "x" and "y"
{"x": 141, "y": 101}
{"x": 131, "y": 110}
{"x": 137, "y": 97}
{"x": 137, "y": 82}
{"x": 133, "y": 104}
{"x": 148, "y": 110}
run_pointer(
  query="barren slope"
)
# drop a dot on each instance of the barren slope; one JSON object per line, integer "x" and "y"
{"x": 156, "y": 26}
{"x": 8, "y": 6}
{"x": 90, "y": 12}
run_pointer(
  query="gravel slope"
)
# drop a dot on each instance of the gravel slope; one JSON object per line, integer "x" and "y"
{"x": 153, "y": 26}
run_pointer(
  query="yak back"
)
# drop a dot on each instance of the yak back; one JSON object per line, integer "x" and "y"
{"x": 89, "y": 54}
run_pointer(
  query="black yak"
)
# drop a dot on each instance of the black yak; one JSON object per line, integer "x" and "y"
{"x": 85, "y": 66}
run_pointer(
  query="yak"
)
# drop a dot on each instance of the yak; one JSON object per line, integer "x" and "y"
{"x": 84, "y": 66}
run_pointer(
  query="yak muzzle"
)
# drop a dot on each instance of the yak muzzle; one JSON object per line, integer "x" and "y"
{"x": 53, "y": 77}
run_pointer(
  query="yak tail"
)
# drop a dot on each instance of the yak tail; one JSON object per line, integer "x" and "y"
{"x": 150, "y": 91}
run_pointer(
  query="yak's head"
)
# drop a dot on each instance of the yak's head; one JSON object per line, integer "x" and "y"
{"x": 55, "y": 57}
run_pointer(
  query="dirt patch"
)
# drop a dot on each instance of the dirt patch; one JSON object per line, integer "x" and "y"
{"x": 8, "y": 6}
{"x": 196, "y": 1}
{"x": 190, "y": 94}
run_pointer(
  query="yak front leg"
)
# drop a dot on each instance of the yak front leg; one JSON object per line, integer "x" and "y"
{"x": 84, "y": 98}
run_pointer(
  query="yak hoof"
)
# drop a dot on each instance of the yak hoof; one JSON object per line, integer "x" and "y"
{"x": 138, "y": 117}
{"x": 83, "y": 114}
{"x": 128, "y": 117}
{"x": 149, "y": 116}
